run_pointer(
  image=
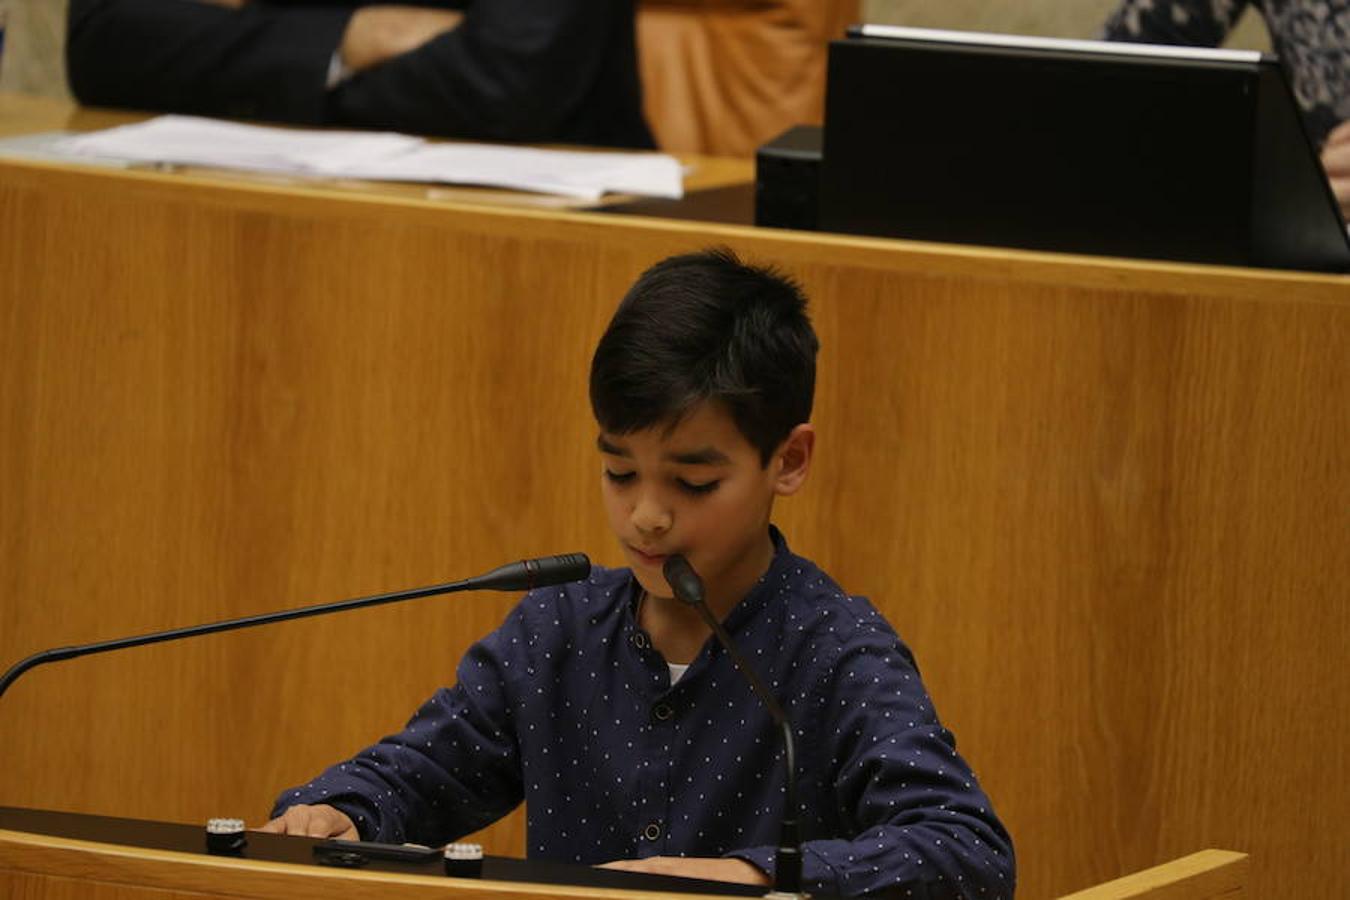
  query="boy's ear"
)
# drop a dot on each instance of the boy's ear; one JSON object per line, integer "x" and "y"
{"x": 794, "y": 459}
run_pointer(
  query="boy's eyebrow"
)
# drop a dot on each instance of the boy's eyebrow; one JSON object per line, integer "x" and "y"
{"x": 705, "y": 456}
{"x": 612, "y": 449}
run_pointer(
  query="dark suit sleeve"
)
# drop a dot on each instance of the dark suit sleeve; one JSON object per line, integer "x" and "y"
{"x": 514, "y": 70}
{"x": 261, "y": 61}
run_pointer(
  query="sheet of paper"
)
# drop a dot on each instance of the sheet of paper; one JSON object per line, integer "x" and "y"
{"x": 45, "y": 146}
{"x": 189, "y": 140}
{"x": 571, "y": 173}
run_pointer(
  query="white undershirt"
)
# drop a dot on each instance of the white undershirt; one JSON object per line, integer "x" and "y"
{"x": 677, "y": 671}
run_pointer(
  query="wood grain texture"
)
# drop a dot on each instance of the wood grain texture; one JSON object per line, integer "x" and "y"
{"x": 1104, "y": 501}
{"x": 1216, "y": 874}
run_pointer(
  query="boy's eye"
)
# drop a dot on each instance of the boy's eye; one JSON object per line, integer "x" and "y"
{"x": 706, "y": 488}
{"x": 619, "y": 477}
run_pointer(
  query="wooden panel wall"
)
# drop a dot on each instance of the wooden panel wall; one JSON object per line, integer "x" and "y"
{"x": 1106, "y": 503}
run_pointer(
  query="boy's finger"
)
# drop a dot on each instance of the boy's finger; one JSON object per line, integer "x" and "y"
{"x": 310, "y": 823}
{"x": 276, "y": 826}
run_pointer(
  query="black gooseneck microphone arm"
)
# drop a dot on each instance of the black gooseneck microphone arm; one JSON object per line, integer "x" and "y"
{"x": 688, "y": 588}
{"x": 518, "y": 576}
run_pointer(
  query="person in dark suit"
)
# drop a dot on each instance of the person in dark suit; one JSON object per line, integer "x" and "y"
{"x": 505, "y": 70}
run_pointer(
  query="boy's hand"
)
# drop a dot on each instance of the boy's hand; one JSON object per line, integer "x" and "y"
{"x": 313, "y": 821}
{"x": 737, "y": 871}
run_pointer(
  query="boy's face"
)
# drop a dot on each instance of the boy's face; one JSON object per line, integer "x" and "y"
{"x": 699, "y": 490}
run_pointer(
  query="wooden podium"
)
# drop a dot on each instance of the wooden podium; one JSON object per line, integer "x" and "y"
{"x": 69, "y": 855}
{"x": 1103, "y": 500}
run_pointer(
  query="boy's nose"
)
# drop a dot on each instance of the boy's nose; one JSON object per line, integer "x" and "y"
{"x": 650, "y": 518}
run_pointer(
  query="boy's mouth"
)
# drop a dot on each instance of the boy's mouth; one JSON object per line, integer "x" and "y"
{"x": 651, "y": 559}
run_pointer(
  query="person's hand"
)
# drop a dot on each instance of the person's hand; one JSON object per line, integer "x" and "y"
{"x": 320, "y": 821}
{"x": 737, "y": 871}
{"x": 376, "y": 34}
{"x": 1336, "y": 160}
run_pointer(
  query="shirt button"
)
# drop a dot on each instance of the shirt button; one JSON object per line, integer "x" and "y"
{"x": 652, "y": 831}
{"x": 663, "y": 712}
{"x": 640, "y": 640}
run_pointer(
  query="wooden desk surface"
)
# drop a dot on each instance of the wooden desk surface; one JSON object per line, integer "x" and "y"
{"x": 1105, "y": 501}
{"x": 143, "y": 858}
{"x": 64, "y": 855}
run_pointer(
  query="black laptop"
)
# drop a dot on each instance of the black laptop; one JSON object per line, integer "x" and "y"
{"x": 1083, "y": 146}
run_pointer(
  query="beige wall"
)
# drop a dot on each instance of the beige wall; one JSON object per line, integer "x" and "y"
{"x": 32, "y": 61}
{"x": 1056, "y": 18}
{"x": 33, "y": 47}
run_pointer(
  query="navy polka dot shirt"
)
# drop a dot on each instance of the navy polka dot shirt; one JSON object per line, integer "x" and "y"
{"x": 568, "y": 707}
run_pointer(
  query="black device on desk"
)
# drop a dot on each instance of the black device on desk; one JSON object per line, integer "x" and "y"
{"x": 1083, "y": 146}
{"x": 280, "y": 848}
{"x": 787, "y": 180}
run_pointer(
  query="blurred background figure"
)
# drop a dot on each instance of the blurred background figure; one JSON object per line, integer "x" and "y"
{"x": 505, "y": 70}
{"x": 1311, "y": 37}
{"x": 724, "y": 76}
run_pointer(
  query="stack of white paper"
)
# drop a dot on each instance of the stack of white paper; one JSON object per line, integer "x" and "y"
{"x": 187, "y": 140}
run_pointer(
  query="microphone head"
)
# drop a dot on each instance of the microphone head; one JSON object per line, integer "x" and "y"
{"x": 529, "y": 574}
{"x": 549, "y": 570}
{"x": 683, "y": 580}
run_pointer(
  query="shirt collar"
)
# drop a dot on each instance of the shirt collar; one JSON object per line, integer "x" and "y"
{"x": 753, "y": 602}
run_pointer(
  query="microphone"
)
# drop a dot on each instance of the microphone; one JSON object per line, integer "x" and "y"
{"x": 518, "y": 576}
{"x": 688, "y": 588}
{"x": 529, "y": 574}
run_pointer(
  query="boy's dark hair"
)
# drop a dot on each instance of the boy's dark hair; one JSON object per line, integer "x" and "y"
{"x": 707, "y": 327}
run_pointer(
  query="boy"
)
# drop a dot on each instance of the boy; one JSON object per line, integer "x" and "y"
{"x": 607, "y": 706}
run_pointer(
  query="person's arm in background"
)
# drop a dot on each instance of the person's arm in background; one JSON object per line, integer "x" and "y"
{"x": 515, "y": 70}
{"x": 377, "y": 34}
{"x": 1203, "y": 24}
{"x": 1336, "y": 160}
{"x": 1192, "y": 23}
{"x": 232, "y": 57}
